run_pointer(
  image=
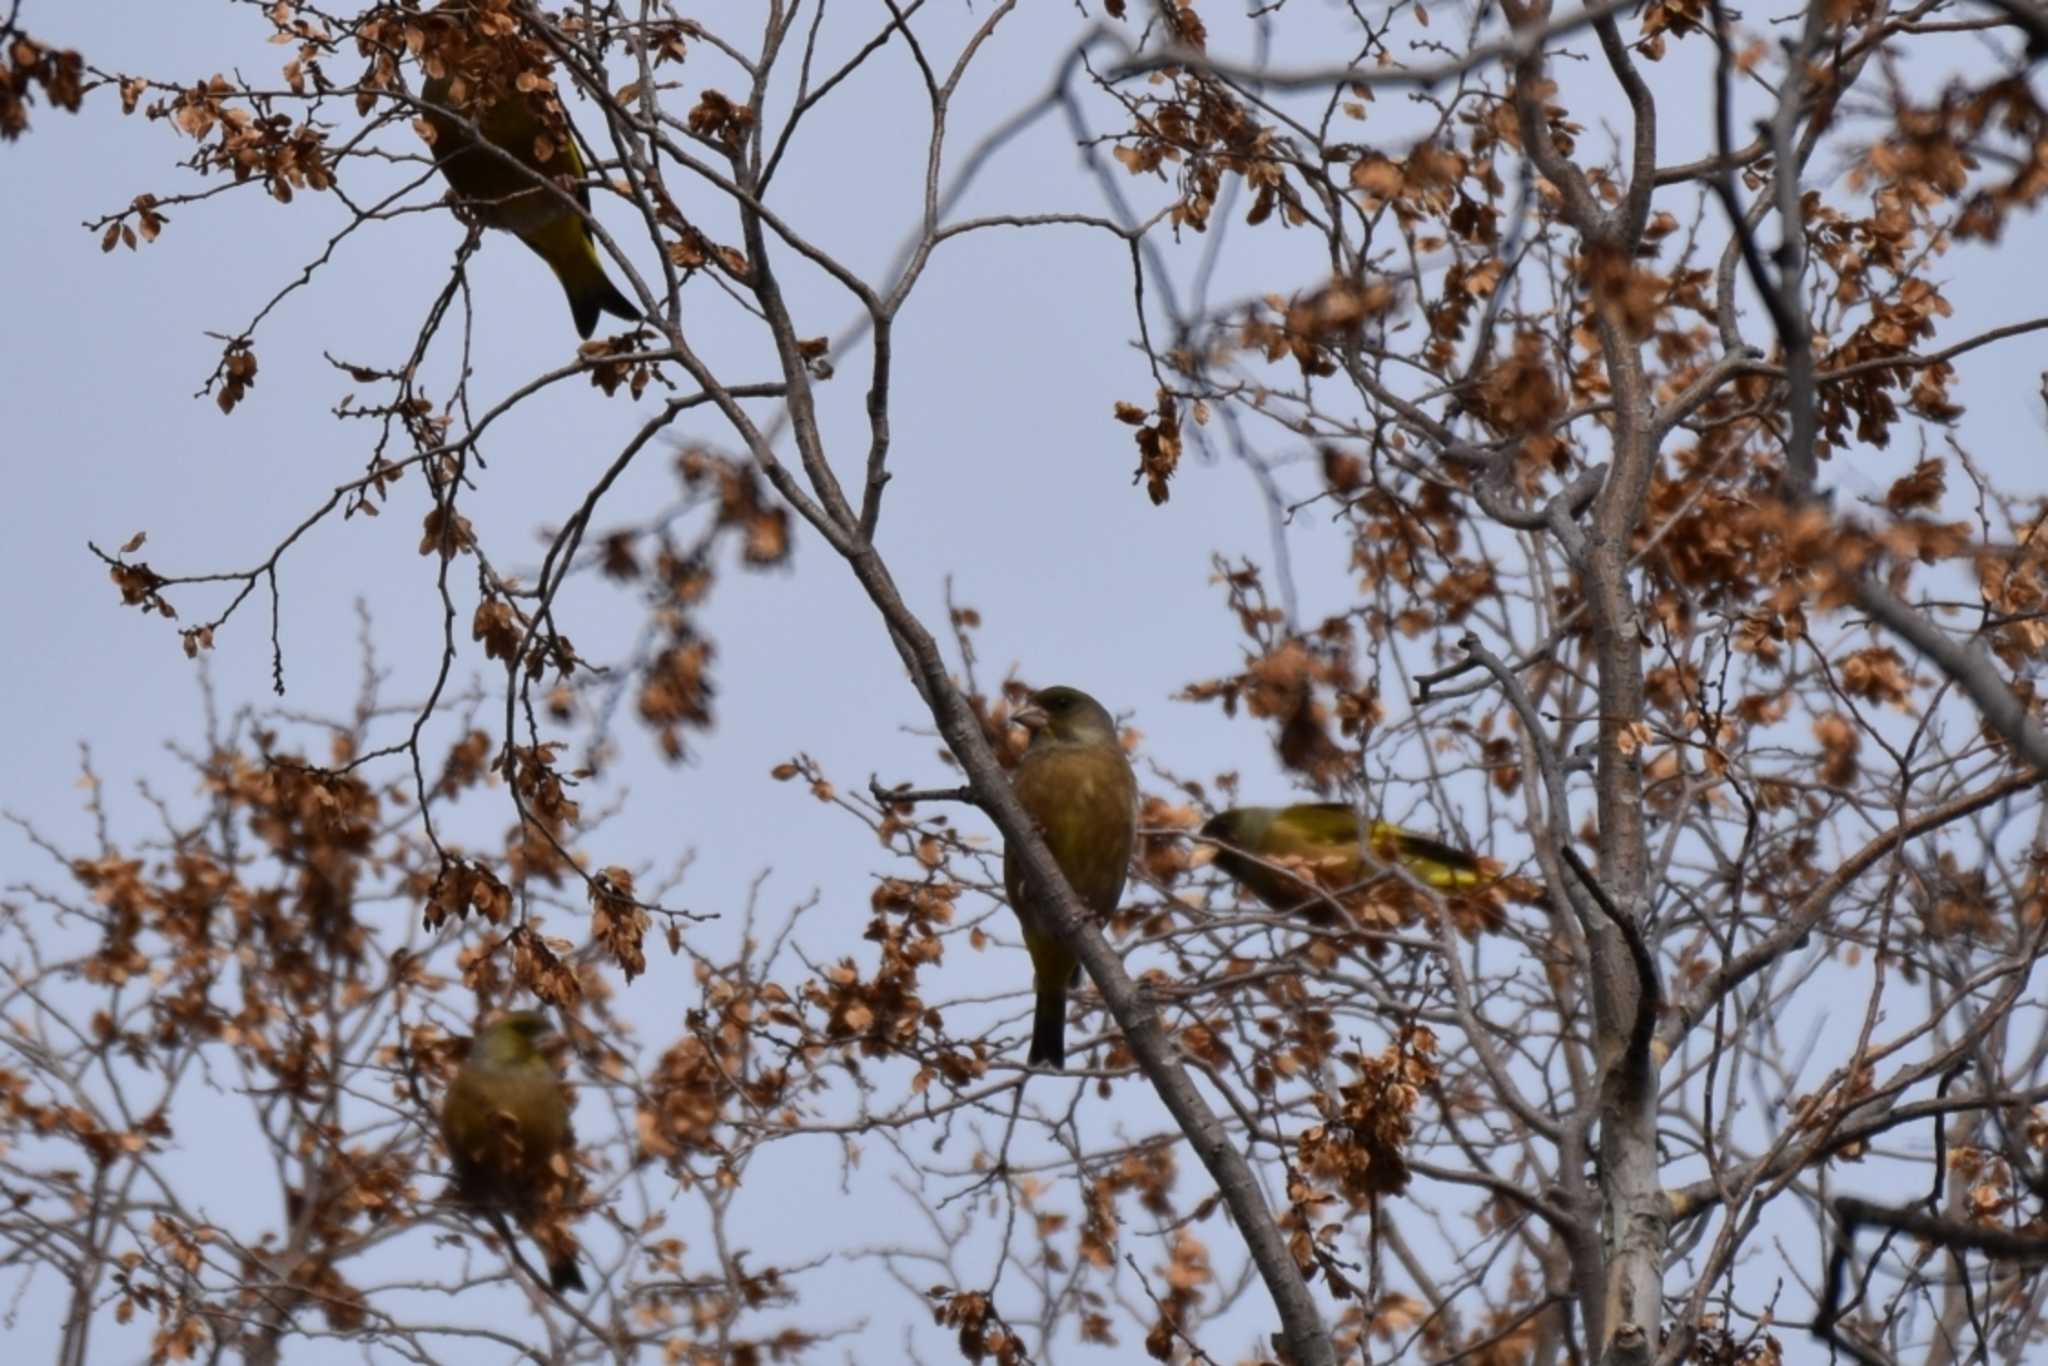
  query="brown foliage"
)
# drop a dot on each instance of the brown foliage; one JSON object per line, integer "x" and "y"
{"x": 1584, "y": 604}
{"x": 32, "y": 66}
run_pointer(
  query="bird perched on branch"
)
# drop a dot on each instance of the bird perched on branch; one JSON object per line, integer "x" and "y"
{"x": 1316, "y": 848}
{"x": 506, "y": 1123}
{"x": 516, "y": 182}
{"x": 1081, "y": 793}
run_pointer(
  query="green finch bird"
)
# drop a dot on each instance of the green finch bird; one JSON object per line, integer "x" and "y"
{"x": 506, "y": 1122}
{"x": 1318, "y": 842}
{"x": 1080, "y": 791}
{"x": 518, "y": 197}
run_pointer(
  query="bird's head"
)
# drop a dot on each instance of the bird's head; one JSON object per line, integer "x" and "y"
{"x": 517, "y": 1038}
{"x": 1242, "y": 827}
{"x": 1065, "y": 716}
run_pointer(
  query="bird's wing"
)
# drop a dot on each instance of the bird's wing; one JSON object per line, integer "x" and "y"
{"x": 1440, "y": 865}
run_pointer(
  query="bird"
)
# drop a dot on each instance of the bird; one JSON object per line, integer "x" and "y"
{"x": 1081, "y": 793}
{"x": 1316, "y": 847}
{"x": 521, "y": 198}
{"x": 506, "y": 1121}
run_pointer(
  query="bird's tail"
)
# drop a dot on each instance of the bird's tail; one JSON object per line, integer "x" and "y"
{"x": 566, "y": 245}
{"x": 556, "y": 1247}
{"x": 595, "y": 296}
{"x": 564, "y": 1274}
{"x": 1049, "y": 1029}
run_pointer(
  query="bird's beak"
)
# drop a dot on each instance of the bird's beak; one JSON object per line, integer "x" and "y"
{"x": 1031, "y": 717}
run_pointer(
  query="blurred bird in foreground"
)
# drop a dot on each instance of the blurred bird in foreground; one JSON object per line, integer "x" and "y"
{"x": 506, "y": 1123}
{"x": 1290, "y": 856}
{"x": 1079, "y": 789}
{"x": 516, "y": 194}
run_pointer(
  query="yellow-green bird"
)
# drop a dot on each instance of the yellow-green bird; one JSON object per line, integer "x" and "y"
{"x": 1079, "y": 789}
{"x": 506, "y": 1121}
{"x": 518, "y": 197}
{"x": 1320, "y": 839}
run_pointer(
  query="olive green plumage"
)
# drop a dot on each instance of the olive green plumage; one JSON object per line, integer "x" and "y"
{"x": 506, "y": 1121}
{"x": 517, "y": 198}
{"x": 1079, "y": 789}
{"x": 1320, "y": 839}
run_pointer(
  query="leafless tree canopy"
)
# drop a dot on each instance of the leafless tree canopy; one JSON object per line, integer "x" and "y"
{"x": 1736, "y": 1055}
